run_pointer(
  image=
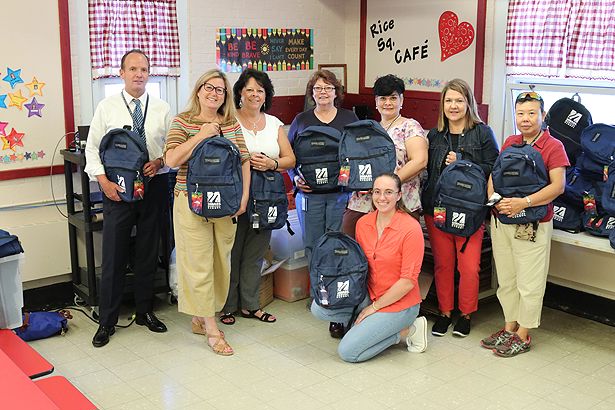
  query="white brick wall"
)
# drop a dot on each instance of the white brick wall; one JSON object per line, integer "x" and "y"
{"x": 328, "y": 18}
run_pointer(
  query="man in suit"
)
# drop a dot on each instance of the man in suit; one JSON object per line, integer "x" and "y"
{"x": 150, "y": 117}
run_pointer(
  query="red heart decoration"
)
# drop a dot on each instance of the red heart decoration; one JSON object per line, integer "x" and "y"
{"x": 454, "y": 37}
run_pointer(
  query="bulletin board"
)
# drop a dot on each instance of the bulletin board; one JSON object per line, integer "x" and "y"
{"x": 36, "y": 104}
{"x": 424, "y": 42}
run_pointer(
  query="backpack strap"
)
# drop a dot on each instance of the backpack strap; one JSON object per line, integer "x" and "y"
{"x": 465, "y": 244}
{"x": 290, "y": 230}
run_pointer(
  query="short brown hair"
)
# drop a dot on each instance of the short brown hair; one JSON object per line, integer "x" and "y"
{"x": 329, "y": 78}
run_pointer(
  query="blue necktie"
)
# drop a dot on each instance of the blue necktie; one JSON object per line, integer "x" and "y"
{"x": 137, "y": 120}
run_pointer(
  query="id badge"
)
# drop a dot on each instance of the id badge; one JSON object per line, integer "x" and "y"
{"x": 605, "y": 173}
{"x": 256, "y": 222}
{"x": 439, "y": 216}
{"x": 196, "y": 202}
{"x": 589, "y": 203}
{"x": 138, "y": 188}
{"x": 344, "y": 175}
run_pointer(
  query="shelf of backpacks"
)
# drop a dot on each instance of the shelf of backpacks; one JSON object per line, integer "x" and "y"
{"x": 583, "y": 239}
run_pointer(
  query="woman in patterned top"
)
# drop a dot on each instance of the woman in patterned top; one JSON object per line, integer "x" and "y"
{"x": 204, "y": 245}
{"x": 410, "y": 146}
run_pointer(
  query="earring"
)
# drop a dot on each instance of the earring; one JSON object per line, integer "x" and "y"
{"x": 240, "y": 103}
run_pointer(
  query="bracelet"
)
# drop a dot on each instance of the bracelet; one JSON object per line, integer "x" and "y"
{"x": 276, "y": 164}
{"x": 529, "y": 201}
{"x": 374, "y": 306}
{"x": 161, "y": 159}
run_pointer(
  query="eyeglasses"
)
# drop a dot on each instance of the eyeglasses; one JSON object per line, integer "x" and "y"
{"x": 529, "y": 95}
{"x": 209, "y": 88}
{"x": 387, "y": 193}
{"x": 388, "y": 98}
{"x": 319, "y": 89}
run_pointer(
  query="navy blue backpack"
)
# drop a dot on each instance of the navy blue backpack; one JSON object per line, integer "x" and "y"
{"x": 123, "y": 154}
{"x": 316, "y": 150}
{"x": 568, "y": 207}
{"x": 338, "y": 271}
{"x": 459, "y": 198}
{"x": 608, "y": 193}
{"x": 612, "y": 239}
{"x": 598, "y": 144}
{"x": 520, "y": 171}
{"x": 268, "y": 205}
{"x": 368, "y": 150}
{"x": 9, "y": 244}
{"x": 214, "y": 179}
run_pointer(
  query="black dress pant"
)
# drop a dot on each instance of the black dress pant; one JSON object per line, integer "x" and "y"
{"x": 118, "y": 221}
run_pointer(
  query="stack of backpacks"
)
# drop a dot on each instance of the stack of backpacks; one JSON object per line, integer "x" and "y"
{"x": 588, "y": 203}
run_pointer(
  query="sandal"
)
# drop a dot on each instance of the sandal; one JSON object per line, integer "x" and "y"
{"x": 220, "y": 346}
{"x": 227, "y": 319}
{"x": 199, "y": 329}
{"x": 264, "y": 317}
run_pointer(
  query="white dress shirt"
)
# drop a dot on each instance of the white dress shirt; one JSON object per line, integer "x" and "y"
{"x": 112, "y": 113}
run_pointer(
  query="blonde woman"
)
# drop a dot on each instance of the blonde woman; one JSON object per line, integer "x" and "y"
{"x": 204, "y": 245}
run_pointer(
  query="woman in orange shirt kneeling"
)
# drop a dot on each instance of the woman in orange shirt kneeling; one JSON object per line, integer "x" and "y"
{"x": 393, "y": 244}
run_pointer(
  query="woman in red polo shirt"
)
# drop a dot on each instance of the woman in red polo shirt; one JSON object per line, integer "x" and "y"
{"x": 522, "y": 264}
{"x": 393, "y": 244}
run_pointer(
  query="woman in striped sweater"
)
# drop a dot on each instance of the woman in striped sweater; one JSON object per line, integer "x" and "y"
{"x": 204, "y": 245}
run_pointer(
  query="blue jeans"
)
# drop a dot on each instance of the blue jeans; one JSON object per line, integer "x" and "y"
{"x": 319, "y": 213}
{"x": 373, "y": 335}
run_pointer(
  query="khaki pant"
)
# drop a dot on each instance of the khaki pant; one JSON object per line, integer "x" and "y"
{"x": 203, "y": 259}
{"x": 522, "y": 269}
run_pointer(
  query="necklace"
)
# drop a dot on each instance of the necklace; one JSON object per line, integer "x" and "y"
{"x": 392, "y": 122}
{"x": 254, "y": 123}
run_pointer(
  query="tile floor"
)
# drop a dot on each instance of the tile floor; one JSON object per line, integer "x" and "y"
{"x": 292, "y": 364}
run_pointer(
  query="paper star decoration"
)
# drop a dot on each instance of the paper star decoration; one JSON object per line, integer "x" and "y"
{"x": 7, "y": 158}
{"x": 3, "y": 127}
{"x": 15, "y": 138}
{"x": 28, "y": 155}
{"x": 34, "y": 108}
{"x": 2, "y": 98}
{"x": 35, "y": 87}
{"x": 41, "y": 154}
{"x": 20, "y": 157}
{"x": 13, "y": 157}
{"x": 17, "y": 99}
{"x": 13, "y": 77}
{"x": 5, "y": 144}
{"x": 34, "y": 156}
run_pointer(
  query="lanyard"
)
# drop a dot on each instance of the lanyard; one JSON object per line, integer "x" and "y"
{"x": 130, "y": 112}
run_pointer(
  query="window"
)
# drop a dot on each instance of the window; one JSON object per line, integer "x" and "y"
{"x": 561, "y": 47}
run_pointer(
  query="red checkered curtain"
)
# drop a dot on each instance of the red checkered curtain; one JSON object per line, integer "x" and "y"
{"x": 117, "y": 26}
{"x": 561, "y": 39}
{"x": 591, "y": 42}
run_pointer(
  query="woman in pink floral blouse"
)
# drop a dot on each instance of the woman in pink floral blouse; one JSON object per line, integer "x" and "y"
{"x": 411, "y": 150}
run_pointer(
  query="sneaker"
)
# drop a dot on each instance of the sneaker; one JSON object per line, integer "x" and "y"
{"x": 417, "y": 340}
{"x": 498, "y": 338}
{"x": 441, "y": 326}
{"x": 336, "y": 330}
{"x": 513, "y": 346}
{"x": 462, "y": 327}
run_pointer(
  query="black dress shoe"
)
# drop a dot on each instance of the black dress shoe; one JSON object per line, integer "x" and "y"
{"x": 102, "y": 335}
{"x": 336, "y": 330}
{"x": 151, "y": 321}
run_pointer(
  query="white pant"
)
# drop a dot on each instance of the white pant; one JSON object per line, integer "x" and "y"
{"x": 522, "y": 269}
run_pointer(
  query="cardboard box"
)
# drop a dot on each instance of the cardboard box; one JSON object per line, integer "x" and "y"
{"x": 291, "y": 285}
{"x": 265, "y": 296}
